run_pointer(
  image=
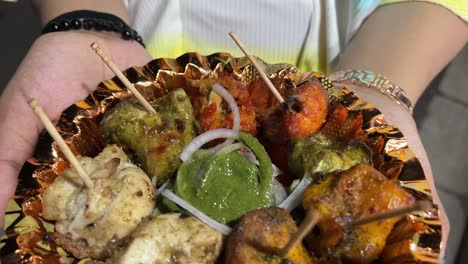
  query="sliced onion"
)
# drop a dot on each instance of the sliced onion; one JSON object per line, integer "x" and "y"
{"x": 199, "y": 214}
{"x": 278, "y": 192}
{"x": 230, "y": 148}
{"x": 251, "y": 157}
{"x": 162, "y": 188}
{"x": 221, "y": 91}
{"x": 154, "y": 181}
{"x": 205, "y": 137}
{"x": 294, "y": 199}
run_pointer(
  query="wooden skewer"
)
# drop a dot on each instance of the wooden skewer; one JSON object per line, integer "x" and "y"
{"x": 313, "y": 217}
{"x": 421, "y": 205}
{"x": 307, "y": 224}
{"x": 257, "y": 66}
{"x": 122, "y": 78}
{"x": 60, "y": 142}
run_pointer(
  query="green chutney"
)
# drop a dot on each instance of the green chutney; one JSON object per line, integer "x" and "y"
{"x": 230, "y": 185}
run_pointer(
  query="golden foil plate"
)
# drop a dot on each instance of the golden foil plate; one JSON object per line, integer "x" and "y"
{"x": 415, "y": 239}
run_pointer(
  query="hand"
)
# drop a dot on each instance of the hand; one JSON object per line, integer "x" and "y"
{"x": 397, "y": 115}
{"x": 59, "y": 70}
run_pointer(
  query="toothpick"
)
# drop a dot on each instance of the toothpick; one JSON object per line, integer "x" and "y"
{"x": 257, "y": 66}
{"x": 122, "y": 78}
{"x": 60, "y": 142}
{"x": 422, "y": 205}
{"x": 307, "y": 224}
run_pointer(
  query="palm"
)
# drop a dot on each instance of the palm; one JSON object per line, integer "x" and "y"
{"x": 60, "y": 69}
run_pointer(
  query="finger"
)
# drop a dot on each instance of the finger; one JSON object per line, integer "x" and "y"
{"x": 18, "y": 134}
{"x": 9, "y": 170}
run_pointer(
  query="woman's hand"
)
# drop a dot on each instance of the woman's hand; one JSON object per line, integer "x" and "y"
{"x": 396, "y": 114}
{"x": 59, "y": 70}
{"x": 398, "y": 42}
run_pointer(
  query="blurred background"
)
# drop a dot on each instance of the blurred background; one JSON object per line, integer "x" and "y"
{"x": 441, "y": 115}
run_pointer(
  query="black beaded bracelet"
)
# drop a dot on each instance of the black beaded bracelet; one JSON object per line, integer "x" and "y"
{"x": 86, "y": 19}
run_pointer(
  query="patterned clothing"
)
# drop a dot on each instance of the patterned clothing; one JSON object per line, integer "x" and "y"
{"x": 305, "y": 33}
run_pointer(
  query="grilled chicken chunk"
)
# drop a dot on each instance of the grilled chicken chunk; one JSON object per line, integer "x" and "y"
{"x": 320, "y": 154}
{"x": 88, "y": 220}
{"x": 154, "y": 141}
{"x": 303, "y": 113}
{"x": 261, "y": 235}
{"x": 212, "y": 112}
{"x": 344, "y": 197}
{"x": 170, "y": 238}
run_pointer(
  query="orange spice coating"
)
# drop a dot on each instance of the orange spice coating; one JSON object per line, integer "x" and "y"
{"x": 343, "y": 197}
{"x": 302, "y": 114}
{"x": 306, "y": 110}
{"x": 212, "y": 112}
{"x": 260, "y": 236}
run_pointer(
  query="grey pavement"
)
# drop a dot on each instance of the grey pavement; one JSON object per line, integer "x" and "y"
{"x": 441, "y": 115}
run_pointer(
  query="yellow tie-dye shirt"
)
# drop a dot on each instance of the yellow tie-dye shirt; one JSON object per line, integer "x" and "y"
{"x": 305, "y": 33}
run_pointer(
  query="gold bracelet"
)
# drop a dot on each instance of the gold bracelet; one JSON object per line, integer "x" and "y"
{"x": 371, "y": 80}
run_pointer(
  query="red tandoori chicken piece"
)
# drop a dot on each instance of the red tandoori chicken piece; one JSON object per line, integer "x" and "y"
{"x": 212, "y": 112}
{"x": 342, "y": 124}
{"x": 303, "y": 113}
{"x": 263, "y": 99}
{"x": 306, "y": 109}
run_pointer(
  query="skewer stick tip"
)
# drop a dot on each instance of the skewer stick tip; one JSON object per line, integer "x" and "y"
{"x": 257, "y": 66}
{"x": 94, "y": 46}
{"x": 102, "y": 55}
{"x": 60, "y": 142}
{"x": 32, "y": 103}
{"x": 122, "y": 77}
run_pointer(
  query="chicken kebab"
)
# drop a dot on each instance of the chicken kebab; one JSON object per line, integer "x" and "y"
{"x": 344, "y": 197}
{"x": 90, "y": 222}
{"x": 345, "y": 187}
{"x": 164, "y": 135}
{"x": 340, "y": 198}
{"x": 225, "y": 177}
{"x": 260, "y": 236}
